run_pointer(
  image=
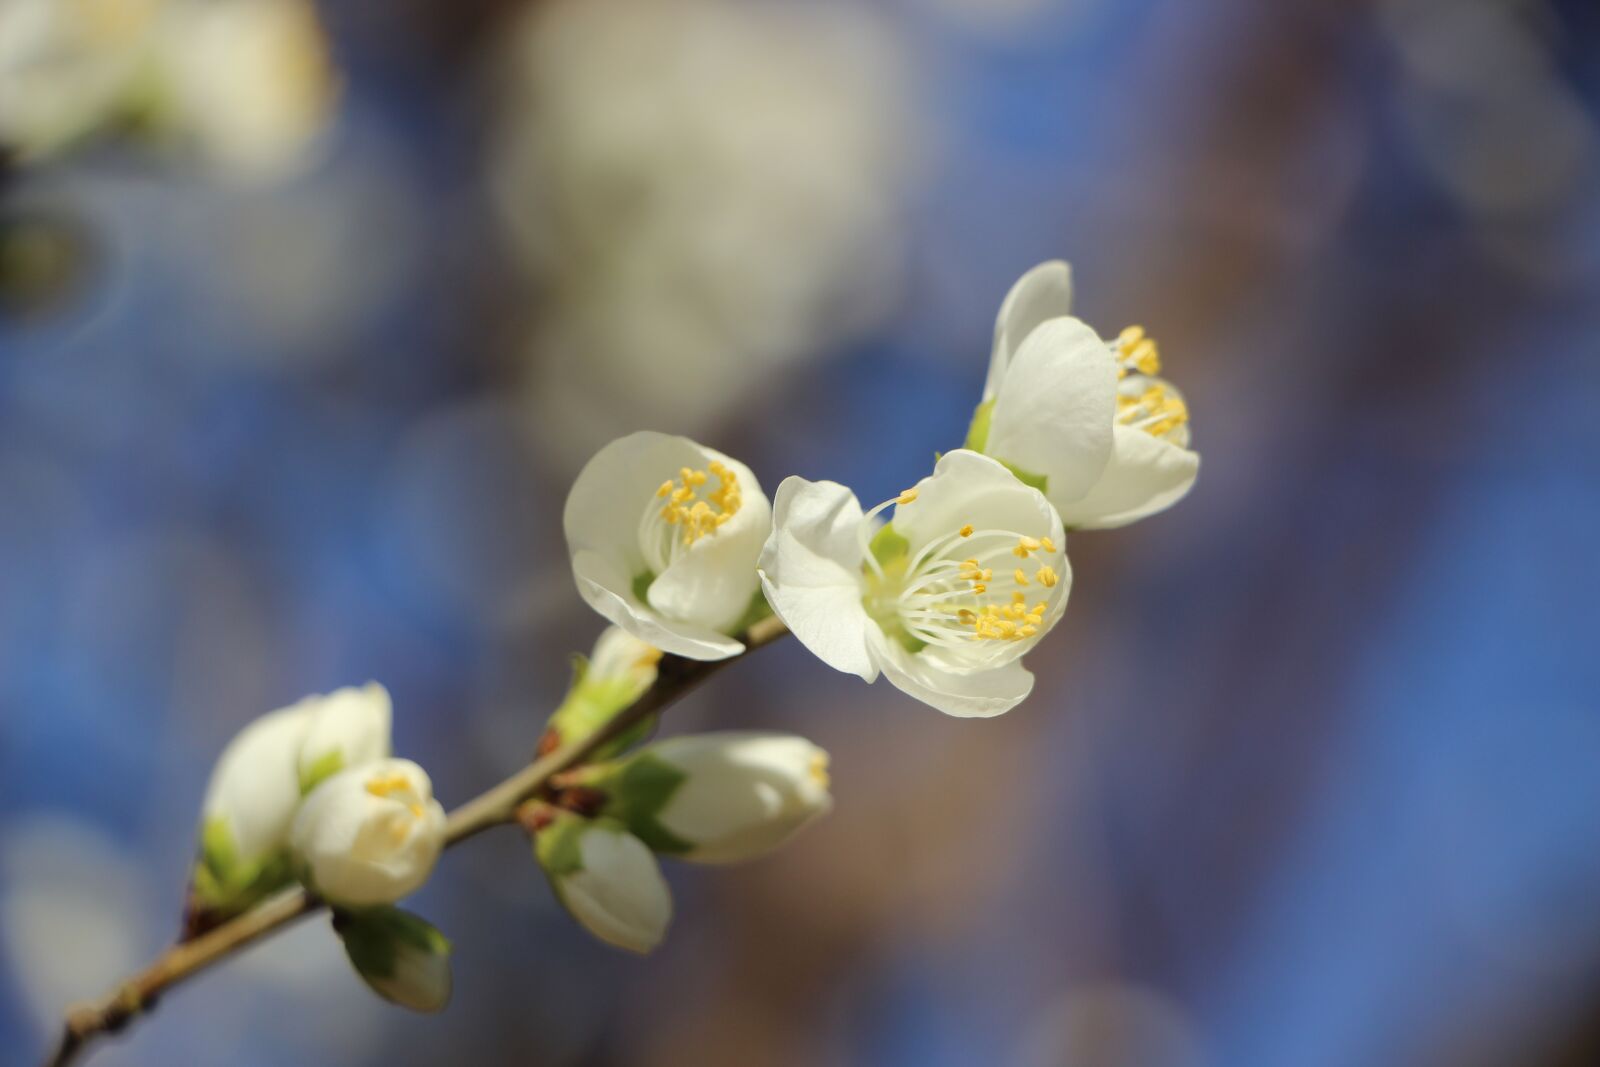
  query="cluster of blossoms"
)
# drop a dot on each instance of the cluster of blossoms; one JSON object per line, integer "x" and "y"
{"x": 678, "y": 546}
{"x": 968, "y": 572}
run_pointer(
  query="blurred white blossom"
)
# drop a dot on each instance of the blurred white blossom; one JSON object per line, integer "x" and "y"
{"x": 244, "y": 86}
{"x": 74, "y": 912}
{"x": 705, "y": 190}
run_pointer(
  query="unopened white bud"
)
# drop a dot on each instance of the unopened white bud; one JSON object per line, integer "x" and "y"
{"x": 608, "y": 880}
{"x": 742, "y": 794}
{"x": 371, "y": 834}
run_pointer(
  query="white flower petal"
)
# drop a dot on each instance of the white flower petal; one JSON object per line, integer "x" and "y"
{"x": 975, "y": 694}
{"x": 350, "y": 724}
{"x": 1145, "y": 475}
{"x": 607, "y": 590}
{"x": 255, "y": 787}
{"x": 811, "y": 572}
{"x": 1054, "y": 410}
{"x": 1045, "y": 292}
{"x": 603, "y": 508}
{"x": 371, "y": 834}
{"x": 966, "y": 487}
{"x": 714, "y": 581}
{"x": 619, "y": 895}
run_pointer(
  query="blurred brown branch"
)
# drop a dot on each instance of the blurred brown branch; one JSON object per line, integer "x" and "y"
{"x": 138, "y": 994}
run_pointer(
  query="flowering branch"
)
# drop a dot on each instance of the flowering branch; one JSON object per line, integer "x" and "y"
{"x": 497, "y": 806}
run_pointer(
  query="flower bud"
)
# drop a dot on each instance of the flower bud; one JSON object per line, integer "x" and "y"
{"x": 258, "y": 784}
{"x": 723, "y": 797}
{"x": 620, "y": 671}
{"x": 347, "y": 728}
{"x": 607, "y": 879}
{"x": 245, "y": 819}
{"x": 402, "y": 957}
{"x": 369, "y": 835}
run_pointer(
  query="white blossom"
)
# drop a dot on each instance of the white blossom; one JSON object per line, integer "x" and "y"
{"x": 1087, "y": 419}
{"x": 370, "y": 834}
{"x": 707, "y": 191}
{"x": 969, "y": 574}
{"x": 664, "y": 535}
{"x": 248, "y": 82}
{"x": 608, "y": 880}
{"x": 742, "y": 794}
{"x": 245, "y": 85}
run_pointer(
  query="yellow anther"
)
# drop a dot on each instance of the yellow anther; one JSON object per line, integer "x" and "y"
{"x": 906, "y": 497}
{"x": 1047, "y": 576}
{"x": 1137, "y": 351}
{"x": 700, "y": 517}
{"x": 388, "y": 785}
{"x": 1028, "y": 630}
{"x": 980, "y": 589}
{"x": 1019, "y": 597}
{"x": 1038, "y": 609}
{"x": 817, "y": 769}
{"x": 1021, "y": 579}
{"x": 1047, "y": 544}
{"x": 966, "y": 531}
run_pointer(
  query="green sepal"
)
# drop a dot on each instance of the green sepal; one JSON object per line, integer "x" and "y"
{"x": 589, "y": 707}
{"x": 322, "y": 768}
{"x": 637, "y": 791}
{"x": 641, "y": 586}
{"x": 978, "y": 431}
{"x": 1040, "y": 482}
{"x": 557, "y": 845}
{"x": 224, "y": 884}
{"x": 391, "y": 949}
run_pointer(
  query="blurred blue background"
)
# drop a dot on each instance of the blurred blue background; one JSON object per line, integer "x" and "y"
{"x": 1310, "y": 778}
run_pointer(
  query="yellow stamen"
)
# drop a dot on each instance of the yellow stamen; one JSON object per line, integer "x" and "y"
{"x": 1047, "y": 576}
{"x": 966, "y": 531}
{"x": 700, "y": 517}
{"x": 906, "y": 497}
{"x": 1047, "y": 544}
{"x": 1022, "y": 579}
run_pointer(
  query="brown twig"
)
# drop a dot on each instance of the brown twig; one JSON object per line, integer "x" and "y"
{"x": 136, "y": 995}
